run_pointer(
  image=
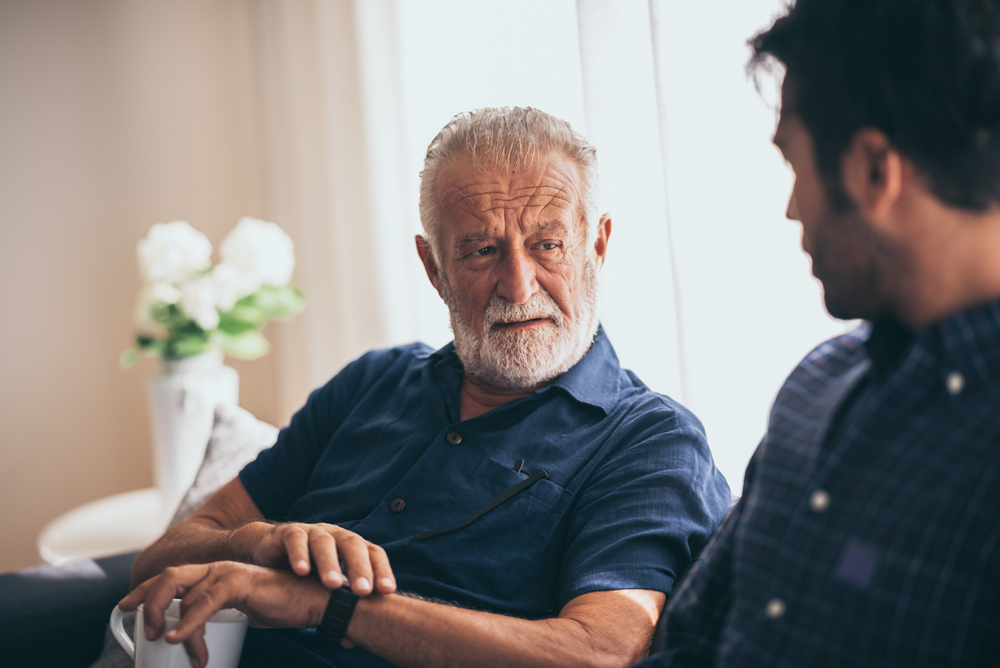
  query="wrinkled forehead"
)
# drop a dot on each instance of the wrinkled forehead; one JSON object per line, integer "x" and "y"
{"x": 545, "y": 187}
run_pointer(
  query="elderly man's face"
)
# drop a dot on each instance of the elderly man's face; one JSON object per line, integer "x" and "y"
{"x": 516, "y": 271}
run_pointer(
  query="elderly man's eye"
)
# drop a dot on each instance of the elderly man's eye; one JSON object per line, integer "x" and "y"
{"x": 548, "y": 245}
{"x": 482, "y": 252}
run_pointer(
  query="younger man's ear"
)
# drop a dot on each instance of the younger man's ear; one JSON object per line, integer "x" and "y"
{"x": 426, "y": 254}
{"x": 872, "y": 173}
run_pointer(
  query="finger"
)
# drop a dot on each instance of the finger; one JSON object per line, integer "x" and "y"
{"x": 354, "y": 551}
{"x": 136, "y": 596}
{"x": 195, "y": 593}
{"x": 296, "y": 542}
{"x": 323, "y": 549}
{"x": 198, "y": 609}
{"x": 172, "y": 582}
{"x": 196, "y": 648}
{"x": 384, "y": 579}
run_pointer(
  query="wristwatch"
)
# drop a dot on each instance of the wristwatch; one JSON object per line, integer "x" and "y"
{"x": 338, "y": 614}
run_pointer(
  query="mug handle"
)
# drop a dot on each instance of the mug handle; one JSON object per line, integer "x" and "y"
{"x": 118, "y": 631}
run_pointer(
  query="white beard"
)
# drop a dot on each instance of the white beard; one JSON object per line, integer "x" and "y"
{"x": 520, "y": 360}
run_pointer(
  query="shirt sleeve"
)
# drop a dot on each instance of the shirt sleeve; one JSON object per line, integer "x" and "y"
{"x": 647, "y": 510}
{"x": 280, "y": 474}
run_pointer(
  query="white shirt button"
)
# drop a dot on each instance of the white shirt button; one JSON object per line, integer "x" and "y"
{"x": 819, "y": 500}
{"x": 775, "y": 608}
{"x": 955, "y": 382}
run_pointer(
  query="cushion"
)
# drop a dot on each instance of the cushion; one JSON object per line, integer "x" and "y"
{"x": 113, "y": 656}
{"x": 236, "y": 440}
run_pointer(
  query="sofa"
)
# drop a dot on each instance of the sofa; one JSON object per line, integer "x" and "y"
{"x": 57, "y": 615}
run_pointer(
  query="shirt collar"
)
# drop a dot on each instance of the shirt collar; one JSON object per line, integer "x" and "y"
{"x": 594, "y": 380}
{"x": 969, "y": 343}
{"x": 888, "y": 340}
{"x": 966, "y": 342}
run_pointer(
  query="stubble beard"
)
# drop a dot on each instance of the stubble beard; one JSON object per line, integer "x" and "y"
{"x": 862, "y": 271}
{"x": 529, "y": 358}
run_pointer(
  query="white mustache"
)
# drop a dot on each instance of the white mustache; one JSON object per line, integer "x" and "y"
{"x": 541, "y": 305}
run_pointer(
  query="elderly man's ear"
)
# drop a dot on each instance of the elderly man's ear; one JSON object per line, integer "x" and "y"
{"x": 601, "y": 243}
{"x": 430, "y": 264}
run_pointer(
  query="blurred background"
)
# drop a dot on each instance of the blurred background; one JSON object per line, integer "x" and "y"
{"x": 315, "y": 114}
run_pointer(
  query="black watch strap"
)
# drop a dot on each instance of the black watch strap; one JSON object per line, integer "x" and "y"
{"x": 338, "y": 614}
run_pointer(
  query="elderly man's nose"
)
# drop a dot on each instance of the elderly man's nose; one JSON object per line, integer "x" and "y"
{"x": 516, "y": 281}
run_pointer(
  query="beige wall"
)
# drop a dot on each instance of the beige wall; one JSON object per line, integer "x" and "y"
{"x": 114, "y": 115}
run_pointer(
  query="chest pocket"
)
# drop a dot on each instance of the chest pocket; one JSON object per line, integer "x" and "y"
{"x": 493, "y": 553}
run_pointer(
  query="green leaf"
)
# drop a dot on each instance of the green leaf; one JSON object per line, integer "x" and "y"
{"x": 150, "y": 346}
{"x": 280, "y": 302}
{"x": 188, "y": 346}
{"x": 163, "y": 312}
{"x": 246, "y": 346}
{"x": 242, "y": 318}
{"x": 128, "y": 358}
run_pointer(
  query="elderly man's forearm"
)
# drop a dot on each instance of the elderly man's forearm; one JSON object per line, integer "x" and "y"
{"x": 605, "y": 629}
{"x": 198, "y": 540}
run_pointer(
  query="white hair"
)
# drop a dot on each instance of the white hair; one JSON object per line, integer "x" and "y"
{"x": 509, "y": 137}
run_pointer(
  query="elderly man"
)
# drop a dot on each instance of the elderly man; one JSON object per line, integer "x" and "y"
{"x": 869, "y": 529}
{"x": 518, "y": 474}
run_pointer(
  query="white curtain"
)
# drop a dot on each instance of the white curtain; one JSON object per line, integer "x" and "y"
{"x": 331, "y": 119}
{"x": 744, "y": 304}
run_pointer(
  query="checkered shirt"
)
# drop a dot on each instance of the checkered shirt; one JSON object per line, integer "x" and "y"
{"x": 869, "y": 529}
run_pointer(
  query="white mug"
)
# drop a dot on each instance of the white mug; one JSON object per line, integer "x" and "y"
{"x": 224, "y": 633}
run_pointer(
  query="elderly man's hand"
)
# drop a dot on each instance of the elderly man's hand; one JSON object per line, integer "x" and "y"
{"x": 326, "y": 546}
{"x": 270, "y": 598}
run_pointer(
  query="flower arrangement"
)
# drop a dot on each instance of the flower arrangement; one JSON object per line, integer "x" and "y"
{"x": 187, "y": 306}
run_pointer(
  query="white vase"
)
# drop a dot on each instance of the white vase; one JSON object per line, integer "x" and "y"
{"x": 182, "y": 403}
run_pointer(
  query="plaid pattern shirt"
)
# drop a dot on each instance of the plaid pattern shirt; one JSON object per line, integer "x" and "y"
{"x": 869, "y": 529}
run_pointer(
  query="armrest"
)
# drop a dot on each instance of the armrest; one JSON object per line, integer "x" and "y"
{"x": 55, "y": 615}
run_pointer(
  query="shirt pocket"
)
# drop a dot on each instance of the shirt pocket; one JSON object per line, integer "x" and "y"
{"x": 495, "y": 554}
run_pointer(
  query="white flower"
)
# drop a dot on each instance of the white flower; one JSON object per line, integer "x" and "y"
{"x": 164, "y": 292}
{"x": 230, "y": 286}
{"x": 198, "y": 300}
{"x": 173, "y": 251}
{"x": 259, "y": 253}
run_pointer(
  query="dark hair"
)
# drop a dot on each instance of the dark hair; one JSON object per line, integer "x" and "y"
{"x": 924, "y": 72}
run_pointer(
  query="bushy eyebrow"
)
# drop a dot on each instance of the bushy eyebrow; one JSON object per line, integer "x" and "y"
{"x": 549, "y": 227}
{"x": 470, "y": 239}
{"x": 480, "y": 237}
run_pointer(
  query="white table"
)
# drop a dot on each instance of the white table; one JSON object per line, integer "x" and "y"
{"x": 112, "y": 525}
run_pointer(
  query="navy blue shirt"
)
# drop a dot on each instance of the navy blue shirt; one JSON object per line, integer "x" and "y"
{"x": 631, "y": 494}
{"x": 869, "y": 530}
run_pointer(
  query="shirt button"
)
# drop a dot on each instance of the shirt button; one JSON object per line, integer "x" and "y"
{"x": 820, "y": 500}
{"x": 955, "y": 382}
{"x": 454, "y": 437}
{"x": 775, "y": 608}
{"x": 397, "y": 505}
